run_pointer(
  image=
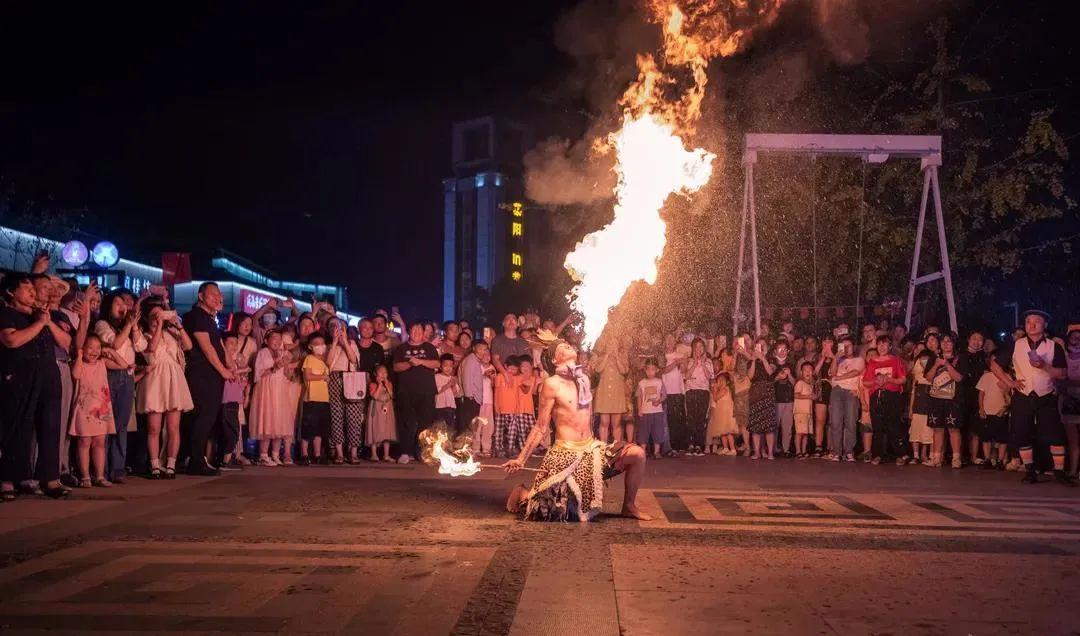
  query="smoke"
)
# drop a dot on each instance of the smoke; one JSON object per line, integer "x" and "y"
{"x": 843, "y": 31}
{"x": 561, "y": 172}
{"x": 602, "y": 38}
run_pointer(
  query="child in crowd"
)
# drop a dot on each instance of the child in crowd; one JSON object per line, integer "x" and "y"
{"x": 652, "y": 423}
{"x": 508, "y": 385}
{"x": 315, "y": 417}
{"x": 530, "y": 387}
{"x": 993, "y": 415}
{"x": 447, "y": 390}
{"x": 382, "y": 427}
{"x": 234, "y": 396}
{"x": 273, "y": 403}
{"x": 720, "y": 434}
{"x": 92, "y": 416}
{"x": 804, "y": 407}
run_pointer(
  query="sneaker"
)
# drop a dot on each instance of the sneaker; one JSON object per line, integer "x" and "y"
{"x": 978, "y": 461}
{"x": 404, "y": 459}
{"x": 850, "y": 457}
{"x": 957, "y": 462}
{"x": 902, "y": 461}
{"x": 876, "y": 461}
{"x": 801, "y": 456}
{"x": 915, "y": 461}
{"x": 865, "y": 458}
{"x": 267, "y": 461}
{"x": 833, "y": 457}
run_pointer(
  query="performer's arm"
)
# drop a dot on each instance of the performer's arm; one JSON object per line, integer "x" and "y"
{"x": 539, "y": 430}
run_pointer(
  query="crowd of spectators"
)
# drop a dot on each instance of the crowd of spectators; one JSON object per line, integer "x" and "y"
{"x": 97, "y": 387}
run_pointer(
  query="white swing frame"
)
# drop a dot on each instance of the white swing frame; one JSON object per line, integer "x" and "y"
{"x": 872, "y": 149}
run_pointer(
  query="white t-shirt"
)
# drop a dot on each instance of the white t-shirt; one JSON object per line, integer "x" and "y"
{"x": 847, "y": 365}
{"x": 651, "y": 389}
{"x": 803, "y": 405}
{"x": 993, "y": 395}
{"x": 700, "y": 375}
{"x": 444, "y": 400}
{"x": 673, "y": 380}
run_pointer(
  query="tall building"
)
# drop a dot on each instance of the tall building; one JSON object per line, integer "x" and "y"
{"x": 487, "y": 233}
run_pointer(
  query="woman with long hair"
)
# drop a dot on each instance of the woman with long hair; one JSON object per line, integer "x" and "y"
{"x": 346, "y": 417}
{"x": 119, "y": 331}
{"x": 945, "y": 408}
{"x": 273, "y": 401}
{"x": 919, "y": 432}
{"x": 163, "y": 392}
{"x": 762, "y": 425}
{"x": 609, "y": 401}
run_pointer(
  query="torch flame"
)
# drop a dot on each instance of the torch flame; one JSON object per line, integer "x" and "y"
{"x": 449, "y": 464}
{"x": 653, "y": 160}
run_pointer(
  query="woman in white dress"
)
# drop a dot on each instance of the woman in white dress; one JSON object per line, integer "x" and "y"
{"x": 163, "y": 392}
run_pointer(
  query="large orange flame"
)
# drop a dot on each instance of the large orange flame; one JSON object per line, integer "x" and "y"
{"x": 653, "y": 160}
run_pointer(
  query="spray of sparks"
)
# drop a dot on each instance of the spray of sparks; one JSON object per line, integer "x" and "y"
{"x": 653, "y": 159}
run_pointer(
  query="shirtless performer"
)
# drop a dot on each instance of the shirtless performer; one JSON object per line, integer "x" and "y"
{"x": 570, "y": 484}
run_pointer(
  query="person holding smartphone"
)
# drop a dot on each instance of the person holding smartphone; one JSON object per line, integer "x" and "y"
{"x": 163, "y": 394}
{"x": 847, "y": 372}
{"x": 1038, "y": 364}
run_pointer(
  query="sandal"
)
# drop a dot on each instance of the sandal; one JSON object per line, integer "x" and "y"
{"x": 85, "y": 482}
{"x": 101, "y": 482}
{"x": 170, "y": 473}
{"x": 155, "y": 473}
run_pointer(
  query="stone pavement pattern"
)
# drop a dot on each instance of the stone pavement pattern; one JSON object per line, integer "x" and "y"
{"x": 736, "y": 547}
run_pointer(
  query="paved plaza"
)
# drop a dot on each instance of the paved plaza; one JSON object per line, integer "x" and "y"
{"x": 784, "y": 547}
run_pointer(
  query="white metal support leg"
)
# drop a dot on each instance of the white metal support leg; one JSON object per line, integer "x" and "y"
{"x": 742, "y": 253}
{"x": 931, "y": 186}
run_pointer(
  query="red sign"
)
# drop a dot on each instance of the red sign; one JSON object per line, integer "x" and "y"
{"x": 250, "y": 301}
{"x": 176, "y": 268}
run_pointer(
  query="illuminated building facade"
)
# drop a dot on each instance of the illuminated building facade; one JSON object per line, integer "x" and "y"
{"x": 487, "y": 232}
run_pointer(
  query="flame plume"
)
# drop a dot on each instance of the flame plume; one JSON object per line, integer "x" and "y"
{"x": 460, "y": 463}
{"x": 653, "y": 160}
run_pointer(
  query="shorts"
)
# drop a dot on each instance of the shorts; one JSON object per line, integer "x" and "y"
{"x": 994, "y": 428}
{"x": 802, "y": 423}
{"x": 652, "y": 425}
{"x": 315, "y": 421}
{"x": 943, "y": 413}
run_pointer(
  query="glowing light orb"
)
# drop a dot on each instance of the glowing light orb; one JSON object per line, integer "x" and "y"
{"x": 106, "y": 255}
{"x": 75, "y": 253}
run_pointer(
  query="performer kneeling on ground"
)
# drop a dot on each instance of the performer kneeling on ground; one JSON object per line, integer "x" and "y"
{"x": 570, "y": 484}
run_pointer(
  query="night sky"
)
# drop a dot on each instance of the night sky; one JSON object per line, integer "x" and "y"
{"x": 312, "y": 137}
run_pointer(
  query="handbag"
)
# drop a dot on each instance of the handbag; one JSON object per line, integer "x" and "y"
{"x": 943, "y": 386}
{"x": 354, "y": 385}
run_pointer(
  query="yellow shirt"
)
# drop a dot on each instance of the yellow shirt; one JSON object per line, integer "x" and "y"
{"x": 316, "y": 390}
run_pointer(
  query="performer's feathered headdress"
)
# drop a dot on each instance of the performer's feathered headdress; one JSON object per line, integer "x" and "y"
{"x": 549, "y": 342}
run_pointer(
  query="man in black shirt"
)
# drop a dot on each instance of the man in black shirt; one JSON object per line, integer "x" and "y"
{"x": 30, "y": 391}
{"x": 371, "y": 352}
{"x": 415, "y": 362}
{"x": 206, "y": 375}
